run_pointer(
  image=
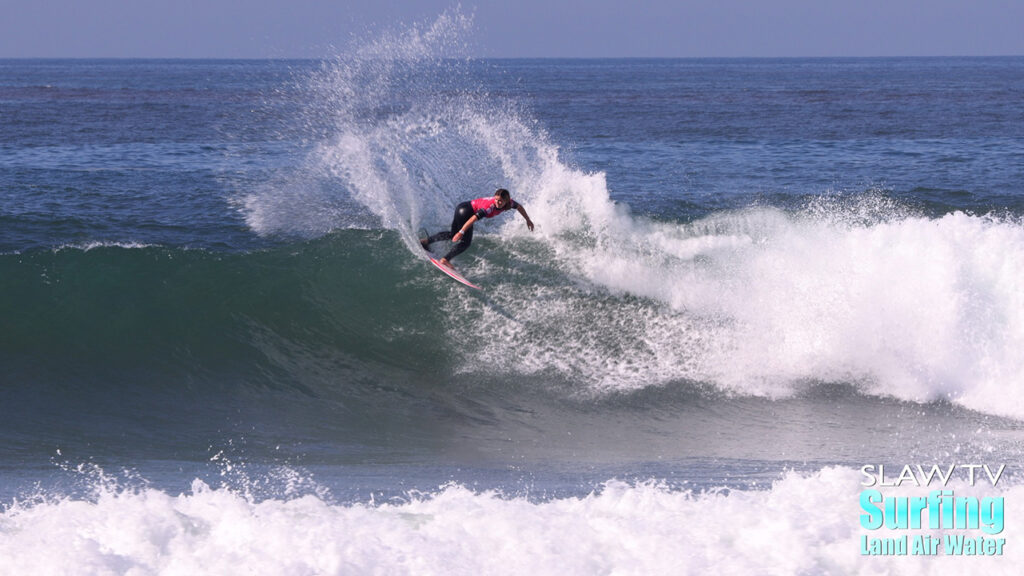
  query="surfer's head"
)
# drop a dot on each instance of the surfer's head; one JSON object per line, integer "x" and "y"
{"x": 501, "y": 197}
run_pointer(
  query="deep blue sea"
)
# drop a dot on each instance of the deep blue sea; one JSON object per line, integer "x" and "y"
{"x": 223, "y": 351}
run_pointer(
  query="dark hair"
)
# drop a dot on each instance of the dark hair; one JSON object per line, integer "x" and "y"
{"x": 502, "y": 192}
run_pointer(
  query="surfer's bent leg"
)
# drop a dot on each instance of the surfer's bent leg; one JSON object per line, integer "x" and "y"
{"x": 463, "y": 212}
{"x": 443, "y": 235}
{"x": 460, "y": 246}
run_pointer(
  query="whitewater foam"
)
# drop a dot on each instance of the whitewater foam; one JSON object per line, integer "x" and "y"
{"x": 760, "y": 301}
{"x": 87, "y": 246}
{"x": 803, "y": 524}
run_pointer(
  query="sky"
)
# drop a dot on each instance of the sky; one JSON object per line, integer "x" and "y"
{"x": 515, "y": 28}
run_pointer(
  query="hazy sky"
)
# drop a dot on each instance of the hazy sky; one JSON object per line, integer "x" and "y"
{"x": 516, "y": 28}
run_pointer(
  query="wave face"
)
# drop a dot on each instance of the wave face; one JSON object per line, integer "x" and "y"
{"x": 753, "y": 316}
{"x": 174, "y": 312}
{"x": 755, "y": 302}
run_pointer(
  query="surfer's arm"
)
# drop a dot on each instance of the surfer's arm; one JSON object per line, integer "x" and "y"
{"x": 521, "y": 210}
{"x": 469, "y": 224}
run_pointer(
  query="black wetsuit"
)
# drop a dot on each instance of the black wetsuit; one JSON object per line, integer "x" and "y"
{"x": 463, "y": 212}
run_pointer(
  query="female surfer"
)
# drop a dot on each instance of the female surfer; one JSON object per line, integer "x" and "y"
{"x": 466, "y": 214}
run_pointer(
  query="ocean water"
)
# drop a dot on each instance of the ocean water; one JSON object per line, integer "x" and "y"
{"x": 222, "y": 350}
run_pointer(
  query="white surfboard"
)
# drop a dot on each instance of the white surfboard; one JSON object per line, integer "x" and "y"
{"x": 453, "y": 273}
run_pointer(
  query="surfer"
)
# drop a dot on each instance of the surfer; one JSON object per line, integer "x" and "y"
{"x": 466, "y": 214}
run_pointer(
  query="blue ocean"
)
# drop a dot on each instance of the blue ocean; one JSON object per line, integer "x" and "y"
{"x": 223, "y": 351}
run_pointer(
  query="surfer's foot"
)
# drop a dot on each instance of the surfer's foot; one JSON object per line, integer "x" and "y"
{"x": 445, "y": 262}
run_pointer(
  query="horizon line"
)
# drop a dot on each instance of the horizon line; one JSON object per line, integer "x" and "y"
{"x": 330, "y": 57}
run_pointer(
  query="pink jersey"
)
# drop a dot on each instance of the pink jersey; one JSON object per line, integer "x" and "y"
{"x": 485, "y": 208}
